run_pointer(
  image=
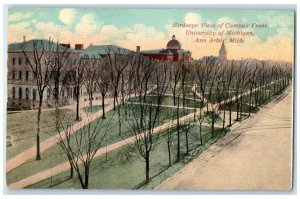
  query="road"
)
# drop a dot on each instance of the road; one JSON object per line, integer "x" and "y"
{"x": 255, "y": 155}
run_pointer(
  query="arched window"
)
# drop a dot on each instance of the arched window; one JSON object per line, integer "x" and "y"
{"x": 20, "y": 74}
{"x": 13, "y": 92}
{"x": 27, "y": 93}
{"x": 20, "y": 93}
{"x": 33, "y": 94}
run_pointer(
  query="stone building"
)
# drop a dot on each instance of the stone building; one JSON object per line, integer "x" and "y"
{"x": 21, "y": 83}
{"x": 223, "y": 53}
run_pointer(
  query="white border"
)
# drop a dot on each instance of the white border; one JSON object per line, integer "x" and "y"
{"x": 24, "y": 194}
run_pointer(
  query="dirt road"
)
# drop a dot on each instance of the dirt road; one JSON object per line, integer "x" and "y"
{"x": 256, "y": 155}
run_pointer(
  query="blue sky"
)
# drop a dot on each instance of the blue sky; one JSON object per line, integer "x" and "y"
{"x": 131, "y": 27}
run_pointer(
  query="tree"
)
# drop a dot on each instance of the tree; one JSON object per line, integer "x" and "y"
{"x": 89, "y": 75}
{"x": 103, "y": 82}
{"x": 186, "y": 129}
{"x": 169, "y": 138}
{"x": 146, "y": 117}
{"x": 60, "y": 67}
{"x": 81, "y": 146}
{"x": 118, "y": 59}
{"x": 176, "y": 75}
{"x": 36, "y": 52}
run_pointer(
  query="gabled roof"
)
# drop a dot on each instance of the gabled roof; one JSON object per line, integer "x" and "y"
{"x": 98, "y": 51}
{"x": 36, "y": 44}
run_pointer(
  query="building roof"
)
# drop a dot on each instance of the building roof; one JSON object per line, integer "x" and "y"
{"x": 99, "y": 51}
{"x": 223, "y": 49}
{"x": 166, "y": 51}
{"x": 174, "y": 44}
{"x": 36, "y": 44}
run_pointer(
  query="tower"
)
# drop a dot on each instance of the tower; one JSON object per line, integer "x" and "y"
{"x": 223, "y": 53}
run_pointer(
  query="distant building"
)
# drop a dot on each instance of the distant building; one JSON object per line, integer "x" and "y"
{"x": 222, "y": 55}
{"x": 172, "y": 53}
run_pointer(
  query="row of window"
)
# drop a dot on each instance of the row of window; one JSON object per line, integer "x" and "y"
{"x": 20, "y": 75}
{"x": 21, "y": 61}
{"x": 20, "y": 92}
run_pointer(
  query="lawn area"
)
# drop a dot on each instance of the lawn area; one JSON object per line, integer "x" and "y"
{"x": 22, "y": 126}
{"x": 92, "y": 109}
{"x": 168, "y": 100}
{"x": 50, "y": 157}
{"x": 124, "y": 170}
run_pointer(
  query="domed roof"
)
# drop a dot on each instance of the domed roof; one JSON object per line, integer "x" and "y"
{"x": 174, "y": 44}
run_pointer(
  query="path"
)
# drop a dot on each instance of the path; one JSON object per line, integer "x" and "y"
{"x": 257, "y": 155}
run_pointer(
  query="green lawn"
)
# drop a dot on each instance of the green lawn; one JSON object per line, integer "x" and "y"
{"x": 92, "y": 109}
{"x": 22, "y": 126}
{"x": 168, "y": 100}
{"x": 123, "y": 170}
{"x": 50, "y": 157}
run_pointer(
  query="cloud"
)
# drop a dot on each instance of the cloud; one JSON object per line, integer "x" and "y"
{"x": 67, "y": 15}
{"x": 193, "y": 18}
{"x": 16, "y": 32}
{"x": 89, "y": 24}
{"x": 18, "y": 16}
{"x": 52, "y": 30}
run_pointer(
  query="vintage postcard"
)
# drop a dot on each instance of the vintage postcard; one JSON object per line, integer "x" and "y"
{"x": 159, "y": 99}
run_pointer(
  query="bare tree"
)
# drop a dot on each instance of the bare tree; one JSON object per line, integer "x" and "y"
{"x": 176, "y": 75}
{"x": 81, "y": 146}
{"x": 145, "y": 119}
{"x": 118, "y": 60}
{"x": 90, "y": 71}
{"x": 36, "y": 52}
{"x": 103, "y": 82}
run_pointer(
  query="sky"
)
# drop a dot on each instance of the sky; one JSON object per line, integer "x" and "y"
{"x": 152, "y": 29}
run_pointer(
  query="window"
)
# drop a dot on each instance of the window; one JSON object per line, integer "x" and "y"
{"x": 20, "y": 93}
{"x": 34, "y": 94}
{"x": 27, "y": 75}
{"x": 27, "y": 93}
{"x": 48, "y": 93}
{"x": 13, "y": 92}
{"x": 20, "y": 74}
{"x": 13, "y": 74}
{"x": 20, "y": 60}
{"x": 14, "y": 61}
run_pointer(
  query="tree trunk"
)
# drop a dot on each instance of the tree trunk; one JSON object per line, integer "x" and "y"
{"x": 169, "y": 153}
{"x": 38, "y": 155}
{"x": 230, "y": 102}
{"x": 200, "y": 129}
{"x": 178, "y": 132}
{"x": 103, "y": 107}
{"x": 212, "y": 126}
{"x": 77, "y": 103}
{"x": 224, "y": 118}
{"x": 147, "y": 168}
{"x": 187, "y": 142}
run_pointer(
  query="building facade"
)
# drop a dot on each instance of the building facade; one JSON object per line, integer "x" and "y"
{"x": 172, "y": 53}
{"x": 21, "y": 83}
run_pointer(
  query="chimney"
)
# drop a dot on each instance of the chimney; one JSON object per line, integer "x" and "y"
{"x": 65, "y": 45}
{"x": 24, "y": 38}
{"x": 138, "y": 49}
{"x": 78, "y": 46}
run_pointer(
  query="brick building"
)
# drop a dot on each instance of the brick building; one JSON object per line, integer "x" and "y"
{"x": 172, "y": 53}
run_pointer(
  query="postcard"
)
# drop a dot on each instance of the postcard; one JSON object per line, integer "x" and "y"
{"x": 149, "y": 99}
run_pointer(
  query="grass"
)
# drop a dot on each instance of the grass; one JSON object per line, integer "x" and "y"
{"x": 168, "y": 100}
{"x": 50, "y": 157}
{"x": 22, "y": 126}
{"x": 124, "y": 170}
{"x": 92, "y": 109}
